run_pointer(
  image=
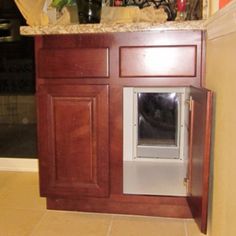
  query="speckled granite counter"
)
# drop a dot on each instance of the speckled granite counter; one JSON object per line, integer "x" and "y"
{"x": 110, "y": 28}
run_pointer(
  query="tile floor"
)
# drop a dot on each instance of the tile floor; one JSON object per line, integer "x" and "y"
{"x": 23, "y": 213}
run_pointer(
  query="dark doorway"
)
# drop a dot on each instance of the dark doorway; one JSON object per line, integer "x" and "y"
{"x": 17, "y": 86}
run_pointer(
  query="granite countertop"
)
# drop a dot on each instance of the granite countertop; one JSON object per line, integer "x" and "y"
{"x": 111, "y": 28}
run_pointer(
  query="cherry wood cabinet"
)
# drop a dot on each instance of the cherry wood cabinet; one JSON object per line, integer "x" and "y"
{"x": 199, "y": 154}
{"x": 73, "y": 122}
{"x": 80, "y": 81}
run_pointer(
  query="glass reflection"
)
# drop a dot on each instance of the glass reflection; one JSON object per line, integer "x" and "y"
{"x": 158, "y": 118}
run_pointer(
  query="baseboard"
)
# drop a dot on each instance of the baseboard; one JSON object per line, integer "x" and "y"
{"x": 222, "y": 22}
{"x": 18, "y": 164}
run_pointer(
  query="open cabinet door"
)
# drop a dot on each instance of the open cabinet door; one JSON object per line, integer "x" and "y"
{"x": 199, "y": 154}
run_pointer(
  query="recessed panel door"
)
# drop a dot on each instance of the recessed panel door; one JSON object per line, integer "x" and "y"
{"x": 73, "y": 141}
{"x": 199, "y": 154}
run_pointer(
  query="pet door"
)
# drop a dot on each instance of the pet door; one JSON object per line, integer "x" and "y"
{"x": 156, "y": 124}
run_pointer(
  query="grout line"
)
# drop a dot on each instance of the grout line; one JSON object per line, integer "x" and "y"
{"x": 21, "y": 208}
{"x": 37, "y": 224}
{"x": 185, "y": 228}
{"x": 110, "y": 226}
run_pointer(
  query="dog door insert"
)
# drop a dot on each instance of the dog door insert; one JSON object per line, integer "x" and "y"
{"x": 157, "y": 124}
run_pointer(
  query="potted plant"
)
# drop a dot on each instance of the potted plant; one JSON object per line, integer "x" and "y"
{"x": 59, "y": 4}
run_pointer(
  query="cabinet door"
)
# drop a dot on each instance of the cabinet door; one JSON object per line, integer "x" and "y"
{"x": 73, "y": 140}
{"x": 199, "y": 154}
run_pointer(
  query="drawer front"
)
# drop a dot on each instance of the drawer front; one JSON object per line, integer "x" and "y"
{"x": 74, "y": 62}
{"x": 158, "y": 61}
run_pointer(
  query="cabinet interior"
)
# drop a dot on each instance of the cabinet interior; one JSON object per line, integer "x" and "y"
{"x": 155, "y": 140}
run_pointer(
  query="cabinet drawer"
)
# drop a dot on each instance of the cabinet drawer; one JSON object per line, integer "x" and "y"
{"x": 74, "y": 62}
{"x": 158, "y": 61}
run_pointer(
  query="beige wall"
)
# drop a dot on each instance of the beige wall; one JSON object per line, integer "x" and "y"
{"x": 213, "y": 6}
{"x": 221, "y": 78}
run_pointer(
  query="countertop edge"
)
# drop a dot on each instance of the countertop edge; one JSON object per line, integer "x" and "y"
{"x": 111, "y": 28}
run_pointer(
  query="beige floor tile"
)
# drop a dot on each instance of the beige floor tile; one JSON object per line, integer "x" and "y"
{"x": 146, "y": 226}
{"x": 5, "y": 178}
{"x": 25, "y": 178}
{"x": 192, "y": 228}
{"x": 73, "y": 223}
{"x": 21, "y": 195}
{"x": 22, "y": 210}
{"x": 18, "y": 222}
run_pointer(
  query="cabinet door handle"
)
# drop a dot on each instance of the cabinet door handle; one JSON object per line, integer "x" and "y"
{"x": 190, "y": 150}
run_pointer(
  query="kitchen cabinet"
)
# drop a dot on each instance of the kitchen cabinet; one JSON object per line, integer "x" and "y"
{"x": 80, "y": 84}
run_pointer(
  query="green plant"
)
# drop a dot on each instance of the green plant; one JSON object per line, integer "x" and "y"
{"x": 59, "y": 4}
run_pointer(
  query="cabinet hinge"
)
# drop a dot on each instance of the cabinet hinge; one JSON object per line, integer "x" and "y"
{"x": 187, "y": 185}
{"x": 186, "y": 182}
{"x": 190, "y": 103}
